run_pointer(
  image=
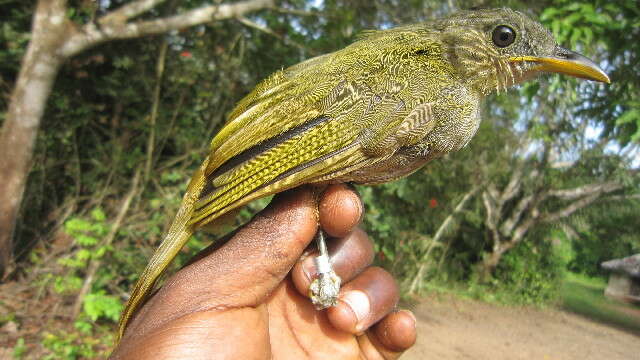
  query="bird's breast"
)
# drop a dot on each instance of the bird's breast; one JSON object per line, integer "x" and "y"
{"x": 457, "y": 119}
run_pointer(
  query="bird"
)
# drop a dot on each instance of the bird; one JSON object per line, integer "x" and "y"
{"x": 372, "y": 112}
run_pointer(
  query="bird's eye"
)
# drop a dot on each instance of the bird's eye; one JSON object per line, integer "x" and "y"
{"x": 503, "y": 36}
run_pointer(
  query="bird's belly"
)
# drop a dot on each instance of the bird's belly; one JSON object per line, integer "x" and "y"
{"x": 404, "y": 162}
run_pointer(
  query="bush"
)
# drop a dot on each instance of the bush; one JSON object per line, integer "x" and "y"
{"x": 531, "y": 273}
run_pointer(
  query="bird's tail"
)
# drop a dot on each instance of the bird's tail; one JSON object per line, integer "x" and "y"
{"x": 178, "y": 235}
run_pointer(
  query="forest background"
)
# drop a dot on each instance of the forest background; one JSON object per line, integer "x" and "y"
{"x": 549, "y": 185}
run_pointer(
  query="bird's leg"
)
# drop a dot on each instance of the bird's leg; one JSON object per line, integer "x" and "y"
{"x": 325, "y": 287}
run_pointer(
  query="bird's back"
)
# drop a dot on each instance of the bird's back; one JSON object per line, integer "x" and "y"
{"x": 305, "y": 124}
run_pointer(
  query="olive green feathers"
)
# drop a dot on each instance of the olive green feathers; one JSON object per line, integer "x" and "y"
{"x": 372, "y": 112}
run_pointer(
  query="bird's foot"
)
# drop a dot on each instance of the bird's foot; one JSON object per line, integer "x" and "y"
{"x": 324, "y": 289}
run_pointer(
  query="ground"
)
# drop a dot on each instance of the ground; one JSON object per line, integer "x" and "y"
{"x": 453, "y": 328}
{"x": 449, "y": 328}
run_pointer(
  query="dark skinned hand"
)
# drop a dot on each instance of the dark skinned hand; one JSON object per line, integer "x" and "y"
{"x": 248, "y": 298}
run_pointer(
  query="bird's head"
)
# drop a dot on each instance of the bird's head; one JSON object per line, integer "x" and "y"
{"x": 495, "y": 49}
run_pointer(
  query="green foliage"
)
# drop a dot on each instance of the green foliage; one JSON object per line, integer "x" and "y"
{"x": 573, "y": 23}
{"x": 608, "y": 30}
{"x": 100, "y": 305}
{"x": 532, "y": 273}
{"x": 603, "y": 238}
{"x": 68, "y": 345}
{"x": 86, "y": 234}
{"x": 19, "y": 349}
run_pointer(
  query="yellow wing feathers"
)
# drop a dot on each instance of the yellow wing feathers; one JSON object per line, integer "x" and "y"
{"x": 287, "y": 136}
{"x": 268, "y": 166}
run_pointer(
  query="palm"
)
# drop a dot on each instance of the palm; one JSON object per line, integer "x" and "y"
{"x": 298, "y": 331}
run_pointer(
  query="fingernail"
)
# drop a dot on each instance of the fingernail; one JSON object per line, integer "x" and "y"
{"x": 359, "y": 303}
{"x": 309, "y": 268}
{"x": 412, "y": 316}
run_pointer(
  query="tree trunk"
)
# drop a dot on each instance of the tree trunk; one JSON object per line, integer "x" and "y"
{"x": 54, "y": 38}
{"x": 26, "y": 107}
{"x": 488, "y": 265}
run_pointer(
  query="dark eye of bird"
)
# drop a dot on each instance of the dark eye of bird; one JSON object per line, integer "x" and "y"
{"x": 503, "y": 36}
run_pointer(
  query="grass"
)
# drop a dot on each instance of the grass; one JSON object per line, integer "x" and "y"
{"x": 585, "y": 296}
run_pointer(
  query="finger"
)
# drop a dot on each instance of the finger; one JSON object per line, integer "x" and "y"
{"x": 340, "y": 210}
{"x": 246, "y": 269}
{"x": 349, "y": 256}
{"x": 390, "y": 337}
{"x": 364, "y": 301}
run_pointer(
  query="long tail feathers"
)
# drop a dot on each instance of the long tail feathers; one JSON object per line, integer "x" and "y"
{"x": 178, "y": 235}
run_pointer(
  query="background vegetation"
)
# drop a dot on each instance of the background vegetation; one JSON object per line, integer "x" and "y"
{"x": 549, "y": 184}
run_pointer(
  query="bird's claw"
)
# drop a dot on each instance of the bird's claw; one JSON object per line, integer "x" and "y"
{"x": 324, "y": 289}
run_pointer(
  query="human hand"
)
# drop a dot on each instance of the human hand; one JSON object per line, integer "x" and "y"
{"x": 248, "y": 298}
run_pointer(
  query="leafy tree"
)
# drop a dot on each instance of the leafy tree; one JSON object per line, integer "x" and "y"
{"x": 58, "y": 34}
{"x": 549, "y": 181}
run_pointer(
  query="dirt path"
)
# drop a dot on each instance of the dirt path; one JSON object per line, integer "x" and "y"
{"x": 452, "y": 329}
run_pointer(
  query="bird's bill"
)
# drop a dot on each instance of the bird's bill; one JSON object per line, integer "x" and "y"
{"x": 566, "y": 62}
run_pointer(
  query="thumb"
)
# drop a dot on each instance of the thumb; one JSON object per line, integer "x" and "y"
{"x": 246, "y": 269}
{"x": 243, "y": 271}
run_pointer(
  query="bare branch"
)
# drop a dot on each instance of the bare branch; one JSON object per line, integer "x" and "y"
{"x": 570, "y": 194}
{"x": 571, "y": 208}
{"x": 129, "y": 11}
{"x": 493, "y": 192}
{"x": 92, "y": 34}
{"x": 491, "y": 216}
{"x": 190, "y": 18}
{"x": 590, "y": 194}
{"x": 569, "y": 231}
{"x": 523, "y": 228}
{"x": 509, "y": 224}
{"x": 622, "y": 197}
{"x": 155, "y": 106}
{"x": 458, "y": 209}
{"x": 513, "y": 188}
{"x": 547, "y": 155}
{"x": 562, "y": 164}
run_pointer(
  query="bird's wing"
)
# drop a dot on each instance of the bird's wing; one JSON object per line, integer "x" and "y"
{"x": 322, "y": 134}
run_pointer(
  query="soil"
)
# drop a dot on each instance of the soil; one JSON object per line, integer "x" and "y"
{"x": 449, "y": 328}
{"x": 452, "y": 328}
